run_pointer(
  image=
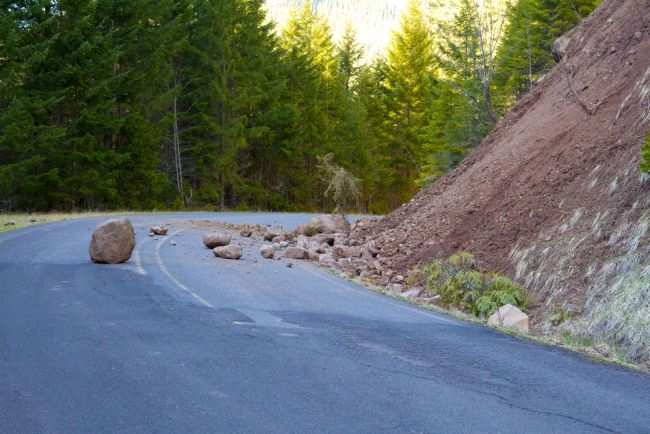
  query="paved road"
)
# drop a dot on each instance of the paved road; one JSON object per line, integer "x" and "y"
{"x": 179, "y": 341}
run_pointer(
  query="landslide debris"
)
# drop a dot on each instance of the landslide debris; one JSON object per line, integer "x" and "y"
{"x": 553, "y": 197}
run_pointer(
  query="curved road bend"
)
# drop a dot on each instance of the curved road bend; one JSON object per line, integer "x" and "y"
{"x": 176, "y": 340}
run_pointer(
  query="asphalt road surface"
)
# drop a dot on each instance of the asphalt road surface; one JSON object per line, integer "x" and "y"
{"x": 177, "y": 340}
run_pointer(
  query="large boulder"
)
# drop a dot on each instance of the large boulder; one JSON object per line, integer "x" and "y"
{"x": 112, "y": 242}
{"x": 216, "y": 239}
{"x": 510, "y": 317}
{"x": 296, "y": 253}
{"x": 560, "y": 45}
{"x": 232, "y": 251}
{"x": 329, "y": 224}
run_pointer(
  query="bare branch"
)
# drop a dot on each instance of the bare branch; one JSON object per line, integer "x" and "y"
{"x": 575, "y": 98}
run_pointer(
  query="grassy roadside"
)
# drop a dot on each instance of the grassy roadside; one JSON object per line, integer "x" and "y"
{"x": 9, "y": 222}
{"x": 569, "y": 343}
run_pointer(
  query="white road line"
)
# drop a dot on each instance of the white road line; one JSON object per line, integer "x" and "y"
{"x": 166, "y": 272}
{"x": 138, "y": 261}
{"x": 386, "y": 299}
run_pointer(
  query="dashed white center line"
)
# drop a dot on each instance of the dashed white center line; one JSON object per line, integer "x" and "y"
{"x": 172, "y": 279}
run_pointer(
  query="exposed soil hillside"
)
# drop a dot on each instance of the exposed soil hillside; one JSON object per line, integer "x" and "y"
{"x": 553, "y": 196}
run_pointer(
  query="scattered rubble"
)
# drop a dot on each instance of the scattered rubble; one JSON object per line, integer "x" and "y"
{"x": 273, "y": 232}
{"x": 267, "y": 251}
{"x": 158, "y": 230}
{"x": 246, "y": 232}
{"x": 325, "y": 224}
{"x": 296, "y": 253}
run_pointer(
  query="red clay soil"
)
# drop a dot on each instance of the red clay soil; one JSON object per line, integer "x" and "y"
{"x": 563, "y": 163}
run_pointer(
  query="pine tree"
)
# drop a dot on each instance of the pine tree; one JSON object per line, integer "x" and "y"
{"x": 466, "y": 104}
{"x": 317, "y": 96}
{"x": 373, "y": 97}
{"x": 525, "y": 54}
{"x": 233, "y": 65}
{"x": 409, "y": 75}
{"x": 27, "y": 178}
{"x": 356, "y": 142}
{"x": 75, "y": 119}
{"x": 349, "y": 56}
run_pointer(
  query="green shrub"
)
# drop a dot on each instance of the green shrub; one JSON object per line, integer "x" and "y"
{"x": 460, "y": 284}
{"x": 342, "y": 187}
{"x": 500, "y": 290}
{"x": 645, "y": 149}
{"x": 462, "y": 260}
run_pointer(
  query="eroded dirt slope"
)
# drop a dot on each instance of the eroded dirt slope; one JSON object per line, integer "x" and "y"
{"x": 553, "y": 196}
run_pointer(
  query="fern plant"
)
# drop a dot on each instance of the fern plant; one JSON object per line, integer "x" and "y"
{"x": 460, "y": 284}
{"x": 500, "y": 290}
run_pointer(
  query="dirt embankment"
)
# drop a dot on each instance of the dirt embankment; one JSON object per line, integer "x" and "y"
{"x": 553, "y": 196}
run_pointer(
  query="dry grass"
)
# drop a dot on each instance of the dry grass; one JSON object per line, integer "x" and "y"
{"x": 10, "y": 222}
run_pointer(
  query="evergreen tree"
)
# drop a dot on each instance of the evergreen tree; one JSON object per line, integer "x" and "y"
{"x": 373, "y": 97}
{"x": 465, "y": 107}
{"x": 409, "y": 75}
{"x": 233, "y": 55}
{"x": 76, "y": 135}
{"x": 27, "y": 179}
{"x": 349, "y": 56}
{"x": 357, "y": 144}
{"x": 317, "y": 96}
{"x": 198, "y": 103}
{"x": 525, "y": 54}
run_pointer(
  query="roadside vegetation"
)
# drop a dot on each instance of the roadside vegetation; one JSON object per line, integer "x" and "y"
{"x": 461, "y": 285}
{"x": 343, "y": 188}
{"x": 586, "y": 346}
{"x": 645, "y": 163}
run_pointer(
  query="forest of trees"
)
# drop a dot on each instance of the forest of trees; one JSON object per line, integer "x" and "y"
{"x": 188, "y": 104}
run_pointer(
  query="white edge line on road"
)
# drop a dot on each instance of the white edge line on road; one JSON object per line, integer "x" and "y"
{"x": 167, "y": 274}
{"x": 138, "y": 261}
{"x": 384, "y": 298}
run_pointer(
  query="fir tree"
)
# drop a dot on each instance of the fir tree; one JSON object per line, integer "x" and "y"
{"x": 525, "y": 54}
{"x": 409, "y": 74}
